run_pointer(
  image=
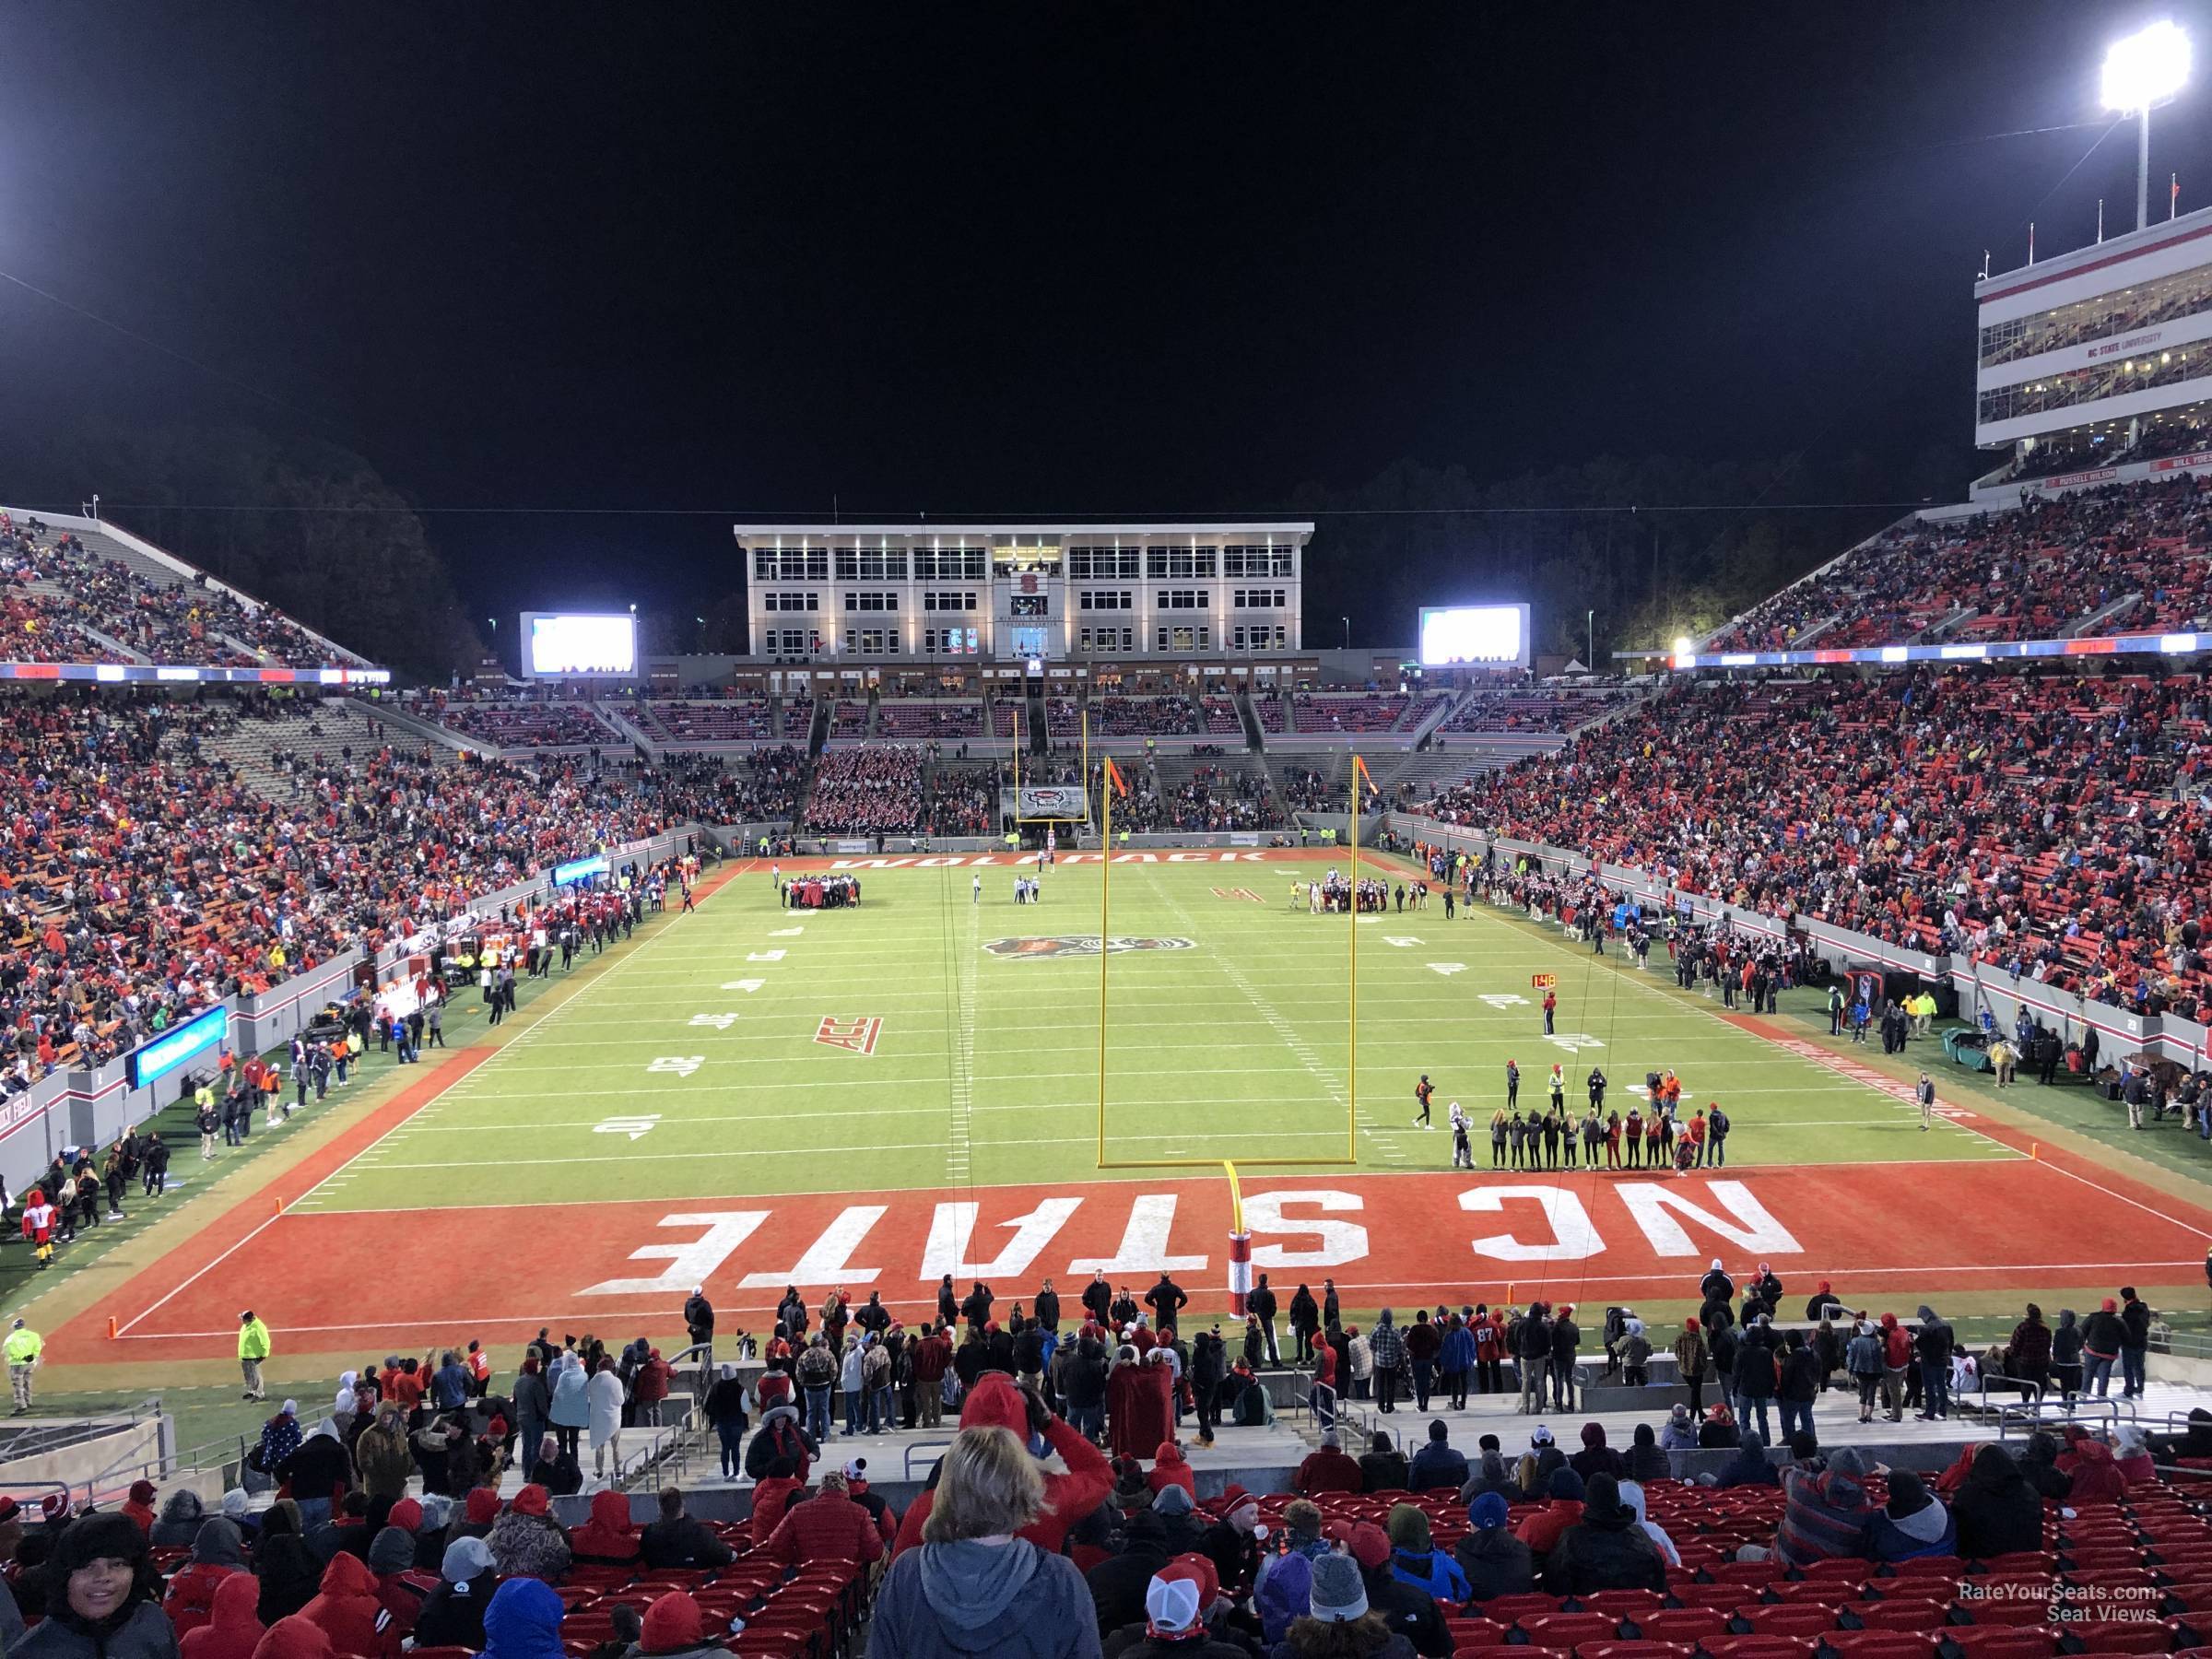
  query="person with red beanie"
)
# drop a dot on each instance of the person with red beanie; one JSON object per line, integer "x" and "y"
{"x": 139, "y": 1505}
{"x": 232, "y": 1630}
{"x": 1169, "y": 1468}
{"x": 1070, "y": 1494}
{"x": 350, "y": 1611}
{"x": 675, "y": 1624}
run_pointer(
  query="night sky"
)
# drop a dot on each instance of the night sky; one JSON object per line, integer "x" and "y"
{"x": 1131, "y": 260}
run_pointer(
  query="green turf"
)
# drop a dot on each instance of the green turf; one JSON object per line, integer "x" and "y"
{"x": 985, "y": 1071}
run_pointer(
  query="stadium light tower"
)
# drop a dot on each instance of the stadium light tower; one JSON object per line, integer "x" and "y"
{"x": 2142, "y": 73}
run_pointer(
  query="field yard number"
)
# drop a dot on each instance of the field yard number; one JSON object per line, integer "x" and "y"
{"x": 682, "y": 1065}
{"x": 1572, "y": 1040}
{"x": 631, "y": 1126}
{"x": 745, "y": 986}
{"x": 785, "y": 933}
{"x": 1504, "y": 999}
{"x": 1398, "y": 939}
{"x": 764, "y": 955}
{"x": 721, "y": 1023}
{"x": 1447, "y": 969}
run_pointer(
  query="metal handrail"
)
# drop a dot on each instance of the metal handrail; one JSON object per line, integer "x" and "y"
{"x": 2031, "y": 1416}
{"x": 922, "y": 1446}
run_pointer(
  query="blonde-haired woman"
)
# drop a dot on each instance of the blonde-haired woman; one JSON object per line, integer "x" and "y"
{"x": 974, "y": 1586}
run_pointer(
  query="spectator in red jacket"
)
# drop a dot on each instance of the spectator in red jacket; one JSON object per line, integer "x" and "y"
{"x": 771, "y": 1495}
{"x": 232, "y": 1629}
{"x": 1329, "y": 1469}
{"x": 828, "y": 1526}
{"x": 350, "y": 1611}
{"x": 610, "y": 1537}
{"x": 1069, "y": 1497}
{"x": 1169, "y": 1468}
{"x": 931, "y": 1359}
{"x": 649, "y": 1387}
{"x": 216, "y": 1555}
{"x": 295, "y": 1638}
{"x": 139, "y": 1505}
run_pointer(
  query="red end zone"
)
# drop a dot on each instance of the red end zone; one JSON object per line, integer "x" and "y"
{"x": 1886, "y": 1234}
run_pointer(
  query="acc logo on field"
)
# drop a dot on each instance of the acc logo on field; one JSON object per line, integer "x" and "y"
{"x": 1087, "y": 945}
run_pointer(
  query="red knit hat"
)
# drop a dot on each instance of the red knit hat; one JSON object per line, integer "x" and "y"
{"x": 482, "y": 1507}
{"x": 672, "y": 1623}
{"x": 530, "y": 1500}
{"x": 407, "y": 1514}
{"x": 994, "y": 1402}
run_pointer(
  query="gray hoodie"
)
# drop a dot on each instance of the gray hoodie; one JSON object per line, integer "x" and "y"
{"x": 967, "y": 1598}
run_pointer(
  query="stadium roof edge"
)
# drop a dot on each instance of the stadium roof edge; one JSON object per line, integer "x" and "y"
{"x": 991, "y": 527}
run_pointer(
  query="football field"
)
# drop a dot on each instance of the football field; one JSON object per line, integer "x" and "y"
{"x": 868, "y": 1097}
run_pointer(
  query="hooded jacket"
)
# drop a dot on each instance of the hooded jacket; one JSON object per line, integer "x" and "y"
{"x": 1926, "y": 1530}
{"x": 1750, "y": 1466}
{"x": 290, "y": 1574}
{"x": 231, "y": 1630}
{"x": 526, "y": 1545}
{"x": 178, "y": 1526}
{"x": 610, "y": 1537}
{"x": 453, "y": 1615}
{"x": 1012, "y": 1602}
{"x": 348, "y": 1610}
{"x": 1825, "y": 1512}
{"x": 1169, "y": 1468}
{"x": 1595, "y": 1457}
{"x": 216, "y": 1555}
{"x": 1997, "y": 1513}
{"x": 524, "y": 1623}
{"x": 1604, "y": 1549}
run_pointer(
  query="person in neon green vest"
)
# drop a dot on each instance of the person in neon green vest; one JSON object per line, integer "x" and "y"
{"x": 23, "y": 1347}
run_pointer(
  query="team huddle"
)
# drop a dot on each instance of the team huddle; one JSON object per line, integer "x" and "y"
{"x": 1652, "y": 1137}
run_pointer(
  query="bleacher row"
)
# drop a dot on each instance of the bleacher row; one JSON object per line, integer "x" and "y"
{"x": 2133, "y": 1576}
{"x": 2042, "y": 570}
{"x": 2032, "y": 819}
{"x": 67, "y": 597}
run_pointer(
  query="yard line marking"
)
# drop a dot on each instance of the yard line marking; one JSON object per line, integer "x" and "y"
{"x": 957, "y": 1167}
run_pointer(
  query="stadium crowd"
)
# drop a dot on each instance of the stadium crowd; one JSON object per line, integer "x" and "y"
{"x": 143, "y": 879}
{"x": 1062, "y": 1517}
{"x": 875, "y": 790}
{"x": 2034, "y": 572}
{"x": 2032, "y": 819}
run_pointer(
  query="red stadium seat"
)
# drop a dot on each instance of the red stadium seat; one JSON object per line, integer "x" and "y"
{"x": 1570, "y": 1630}
{"x": 1632, "y": 1649}
{"x": 1683, "y": 1624}
{"x": 2122, "y": 1635}
{"x": 1880, "y": 1644}
{"x": 1757, "y": 1647}
{"x": 1507, "y": 1609}
{"x": 1788, "y": 1619}
{"x": 1898, "y": 1614}
{"x": 1999, "y": 1642}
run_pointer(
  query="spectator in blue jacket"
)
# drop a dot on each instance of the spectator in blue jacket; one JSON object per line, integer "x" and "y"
{"x": 1416, "y": 1561}
{"x": 1436, "y": 1463}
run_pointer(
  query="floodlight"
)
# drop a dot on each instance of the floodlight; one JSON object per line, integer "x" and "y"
{"x": 1683, "y": 645}
{"x": 2145, "y": 69}
{"x": 2142, "y": 71}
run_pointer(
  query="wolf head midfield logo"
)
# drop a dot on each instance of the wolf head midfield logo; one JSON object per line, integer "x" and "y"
{"x": 1082, "y": 946}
